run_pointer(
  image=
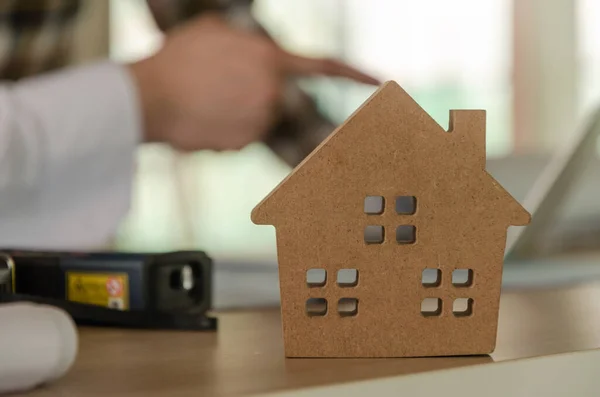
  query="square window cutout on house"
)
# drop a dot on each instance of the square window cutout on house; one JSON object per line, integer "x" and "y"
{"x": 374, "y": 234}
{"x": 406, "y": 234}
{"x": 348, "y": 307}
{"x": 462, "y": 277}
{"x": 462, "y": 307}
{"x": 406, "y": 205}
{"x": 374, "y": 205}
{"x": 431, "y": 307}
{"x": 316, "y": 277}
{"x": 316, "y": 307}
{"x": 431, "y": 277}
{"x": 347, "y": 277}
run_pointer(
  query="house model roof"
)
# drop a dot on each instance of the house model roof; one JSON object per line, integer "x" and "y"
{"x": 392, "y": 127}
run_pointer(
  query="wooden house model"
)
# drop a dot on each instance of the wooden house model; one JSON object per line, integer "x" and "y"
{"x": 391, "y": 236}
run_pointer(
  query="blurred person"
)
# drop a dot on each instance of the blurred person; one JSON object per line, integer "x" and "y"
{"x": 68, "y": 135}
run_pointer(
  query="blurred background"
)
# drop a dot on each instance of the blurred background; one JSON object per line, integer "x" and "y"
{"x": 534, "y": 65}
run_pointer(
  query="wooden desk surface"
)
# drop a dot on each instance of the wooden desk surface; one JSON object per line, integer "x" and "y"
{"x": 246, "y": 355}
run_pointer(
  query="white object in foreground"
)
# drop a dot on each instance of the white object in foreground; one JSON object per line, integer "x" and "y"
{"x": 38, "y": 345}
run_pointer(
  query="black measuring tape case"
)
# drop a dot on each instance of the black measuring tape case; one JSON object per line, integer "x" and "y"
{"x": 160, "y": 291}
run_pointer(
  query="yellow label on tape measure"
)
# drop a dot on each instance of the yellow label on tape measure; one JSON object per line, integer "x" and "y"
{"x": 101, "y": 289}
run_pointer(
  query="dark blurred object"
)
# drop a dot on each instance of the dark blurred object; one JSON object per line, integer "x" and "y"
{"x": 165, "y": 291}
{"x": 301, "y": 127}
{"x": 25, "y": 24}
{"x": 170, "y": 13}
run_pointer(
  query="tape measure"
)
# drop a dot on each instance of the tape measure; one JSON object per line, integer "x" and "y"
{"x": 170, "y": 291}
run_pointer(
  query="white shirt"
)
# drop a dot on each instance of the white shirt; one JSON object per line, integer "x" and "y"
{"x": 67, "y": 151}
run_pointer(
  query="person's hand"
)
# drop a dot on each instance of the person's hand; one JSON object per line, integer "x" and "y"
{"x": 213, "y": 87}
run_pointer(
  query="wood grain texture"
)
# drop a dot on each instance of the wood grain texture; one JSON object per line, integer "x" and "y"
{"x": 390, "y": 147}
{"x": 246, "y": 355}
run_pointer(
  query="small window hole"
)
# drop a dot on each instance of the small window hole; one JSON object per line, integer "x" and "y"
{"x": 406, "y": 234}
{"x": 316, "y": 277}
{"x": 462, "y": 277}
{"x": 316, "y": 307}
{"x": 431, "y": 277}
{"x": 462, "y": 307}
{"x": 406, "y": 205}
{"x": 347, "y": 277}
{"x": 431, "y": 307}
{"x": 374, "y": 234}
{"x": 348, "y": 307}
{"x": 374, "y": 205}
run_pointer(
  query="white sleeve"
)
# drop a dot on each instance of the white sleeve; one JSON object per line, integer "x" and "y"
{"x": 67, "y": 150}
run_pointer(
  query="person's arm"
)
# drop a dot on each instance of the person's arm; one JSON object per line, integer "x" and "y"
{"x": 67, "y": 144}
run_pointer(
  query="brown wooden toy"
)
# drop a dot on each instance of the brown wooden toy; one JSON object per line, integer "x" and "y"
{"x": 391, "y": 236}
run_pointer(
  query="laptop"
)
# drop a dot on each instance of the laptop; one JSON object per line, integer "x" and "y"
{"x": 552, "y": 187}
